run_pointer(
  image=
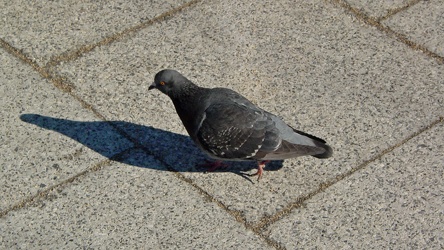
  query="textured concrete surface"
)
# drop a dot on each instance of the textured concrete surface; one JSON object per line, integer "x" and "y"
{"x": 123, "y": 205}
{"x": 423, "y": 23}
{"x": 47, "y": 29}
{"x": 378, "y": 8}
{"x": 33, "y": 158}
{"x": 291, "y": 64}
{"x": 107, "y": 163}
{"x": 395, "y": 202}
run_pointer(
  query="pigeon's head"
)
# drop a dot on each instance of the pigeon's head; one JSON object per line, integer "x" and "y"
{"x": 169, "y": 82}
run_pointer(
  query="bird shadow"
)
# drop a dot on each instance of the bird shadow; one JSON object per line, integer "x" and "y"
{"x": 175, "y": 150}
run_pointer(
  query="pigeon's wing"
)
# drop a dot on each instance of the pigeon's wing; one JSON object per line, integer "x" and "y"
{"x": 236, "y": 129}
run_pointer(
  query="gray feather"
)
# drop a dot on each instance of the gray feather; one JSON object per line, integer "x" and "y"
{"x": 226, "y": 125}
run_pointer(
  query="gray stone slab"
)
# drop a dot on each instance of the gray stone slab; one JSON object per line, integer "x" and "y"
{"x": 43, "y": 29}
{"x": 308, "y": 62}
{"x": 394, "y": 203}
{"x": 377, "y": 8}
{"x": 422, "y": 23}
{"x": 122, "y": 206}
{"x": 45, "y": 135}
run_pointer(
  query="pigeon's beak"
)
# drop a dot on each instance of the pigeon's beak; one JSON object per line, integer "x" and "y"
{"x": 152, "y": 86}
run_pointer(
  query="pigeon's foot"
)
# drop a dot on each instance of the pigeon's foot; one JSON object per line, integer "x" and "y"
{"x": 213, "y": 165}
{"x": 260, "y": 169}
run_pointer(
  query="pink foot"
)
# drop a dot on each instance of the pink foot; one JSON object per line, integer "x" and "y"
{"x": 260, "y": 169}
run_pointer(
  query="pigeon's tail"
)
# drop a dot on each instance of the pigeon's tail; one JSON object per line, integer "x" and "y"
{"x": 328, "y": 151}
{"x": 319, "y": 143}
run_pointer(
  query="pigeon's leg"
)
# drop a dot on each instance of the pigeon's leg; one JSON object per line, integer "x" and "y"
{"x": 213, "y": 165}
{"x": 260, "y": 169}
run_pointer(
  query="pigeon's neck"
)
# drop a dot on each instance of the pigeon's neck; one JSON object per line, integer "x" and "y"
{"x": 190, "y": 106}
{"x": 187, "y": 91}
{"x": 188, "y": 97}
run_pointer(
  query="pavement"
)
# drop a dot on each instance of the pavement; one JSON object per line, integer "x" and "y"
{"x": 90, "y": 159}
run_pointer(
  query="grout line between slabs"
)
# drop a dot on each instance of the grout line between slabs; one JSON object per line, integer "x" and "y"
{"x": 268, "y": 220}
{"x": 236, "y": 214}
{"x": 392, "y": 12}
{"x": 387, "y": 30}
{"x": 43, "y": 195}
{"x": 56, "y": 81}
{"x": 72, "y": 55}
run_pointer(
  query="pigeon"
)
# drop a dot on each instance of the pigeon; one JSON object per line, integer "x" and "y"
{"x": 228, "y": 127}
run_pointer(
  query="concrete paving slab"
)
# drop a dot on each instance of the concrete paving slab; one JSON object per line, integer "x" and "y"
{"x": 309, "y": 62}
{"x": 394, "y": 203}
{"x": 42, "y": 29}
{"x": 422, "y": 23}
{"x": 33, "y": 158}
{"x": 377, "y": 9}
{"x": 121, "y": 206}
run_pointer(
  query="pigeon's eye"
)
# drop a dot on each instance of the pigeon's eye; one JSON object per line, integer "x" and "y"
{"x": 162, "y": 83}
